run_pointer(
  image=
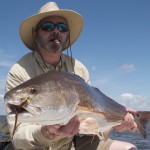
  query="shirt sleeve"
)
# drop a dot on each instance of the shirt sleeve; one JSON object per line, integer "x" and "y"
{"x": 29, "y": 136}
{"x": 82, "y": 71}
{"x": 16, "y": 76}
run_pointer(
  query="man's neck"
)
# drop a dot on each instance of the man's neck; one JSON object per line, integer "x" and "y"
{"x": 51, "y": 58}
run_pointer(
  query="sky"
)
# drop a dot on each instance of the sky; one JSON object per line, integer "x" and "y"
{"x": 114, "y": 45}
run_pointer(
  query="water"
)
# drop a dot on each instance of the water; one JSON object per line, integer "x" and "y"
{"x": 133, "y": 138}
{"x": 2, "y": 117}
{"x": 128, "y": 136}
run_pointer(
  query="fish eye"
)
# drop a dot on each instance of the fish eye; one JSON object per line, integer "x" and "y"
{"x": 34, "y": 91}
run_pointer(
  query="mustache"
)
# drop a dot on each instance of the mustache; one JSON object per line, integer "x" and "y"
{"x": 54, "y": 37}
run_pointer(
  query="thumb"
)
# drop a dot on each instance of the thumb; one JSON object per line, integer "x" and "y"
{"x": 56, "y": 126}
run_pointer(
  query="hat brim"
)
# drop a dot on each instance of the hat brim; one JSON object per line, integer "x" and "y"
{"x": 74, "y": 20}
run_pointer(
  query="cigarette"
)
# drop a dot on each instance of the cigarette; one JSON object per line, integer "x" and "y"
{"x": 57, "y": 42}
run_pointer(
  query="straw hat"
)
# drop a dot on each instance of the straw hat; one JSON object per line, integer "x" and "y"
{"x": 75, "y": 23}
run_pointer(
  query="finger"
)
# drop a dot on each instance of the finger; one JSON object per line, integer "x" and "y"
{"x": 50, "y": 135}
{"x": 120, "y": 128}
{"x": 67, "y": 129}
{"x": 53, "y": 128}
{"x": 46, "y": 133}
{"x": 131, "y": 111}
{"x": 129, "y": 117}
{"x": 72, "y": 123}
{"x": 73, "y": 126}
{"x": 49, "y": 130}
{"x": 128, "y": 121}
{"x": 134, "y": 128}
{"x": 75, "y": 129}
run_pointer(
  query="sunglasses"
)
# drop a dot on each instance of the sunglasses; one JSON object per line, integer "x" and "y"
{"x": 49, "y": 26}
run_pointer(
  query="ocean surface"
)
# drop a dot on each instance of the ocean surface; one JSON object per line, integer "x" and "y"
{"x": 132, "y": 137}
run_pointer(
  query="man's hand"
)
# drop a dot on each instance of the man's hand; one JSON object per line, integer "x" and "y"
{"x": 128, "y": 123}
{"x": 52, "y": 131}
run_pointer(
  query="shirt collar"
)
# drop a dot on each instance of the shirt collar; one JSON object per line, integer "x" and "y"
{"x": 40, "y": 61}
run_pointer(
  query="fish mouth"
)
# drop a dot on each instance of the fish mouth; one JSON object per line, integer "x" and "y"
{"x": 15, "y": 108}
{"x": 28, "y": 109}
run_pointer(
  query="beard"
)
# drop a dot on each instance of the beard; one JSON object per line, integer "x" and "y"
{"x": 53, "y": 43}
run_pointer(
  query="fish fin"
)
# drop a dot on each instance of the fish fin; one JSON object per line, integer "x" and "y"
{"x": 89, "y": 126}
{"x": 141, "y": 119}
{"x": 96, "y": 89}
{"x": 93, "y": 111}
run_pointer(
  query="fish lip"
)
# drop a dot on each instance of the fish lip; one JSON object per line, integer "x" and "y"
{"x": 15, "y": 108}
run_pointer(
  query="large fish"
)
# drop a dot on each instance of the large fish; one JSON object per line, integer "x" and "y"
{"x": 56, "y": 97}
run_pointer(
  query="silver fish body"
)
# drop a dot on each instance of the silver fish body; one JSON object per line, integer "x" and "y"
{"x": 56, "y": 97}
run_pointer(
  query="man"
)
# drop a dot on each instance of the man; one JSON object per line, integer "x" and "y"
{"x": 47, "y": 34}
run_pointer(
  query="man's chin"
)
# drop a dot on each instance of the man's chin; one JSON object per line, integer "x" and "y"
{"x": 55, "y": 50}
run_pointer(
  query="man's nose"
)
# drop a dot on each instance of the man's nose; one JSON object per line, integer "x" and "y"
{"x": 56, "y": 30}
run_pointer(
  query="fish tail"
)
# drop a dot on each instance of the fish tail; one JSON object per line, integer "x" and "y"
{"x": 142, "y": 118}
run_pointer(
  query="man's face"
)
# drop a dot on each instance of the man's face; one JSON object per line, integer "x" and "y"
{"x": 52, "y": 41}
